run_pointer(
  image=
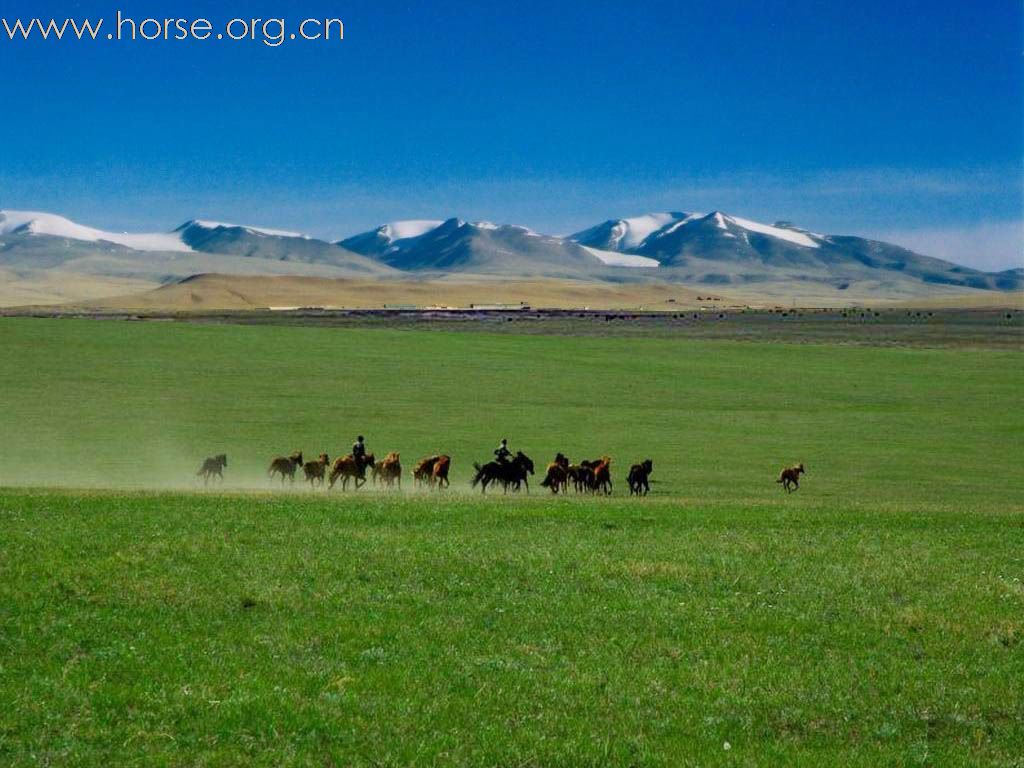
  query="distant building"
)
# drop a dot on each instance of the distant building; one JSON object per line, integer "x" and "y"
{"x": 520, "y": 307}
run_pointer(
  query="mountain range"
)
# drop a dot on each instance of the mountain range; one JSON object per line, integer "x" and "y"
{"x": 714, "y": 249}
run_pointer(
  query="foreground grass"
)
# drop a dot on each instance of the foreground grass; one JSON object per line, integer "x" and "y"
{"x": 875, "y": 617}
{"x": 186, "y": 629}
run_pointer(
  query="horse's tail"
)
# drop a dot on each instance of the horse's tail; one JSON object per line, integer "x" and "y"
{"x": 479, "y": 474}
{"x": 546, "y": 482}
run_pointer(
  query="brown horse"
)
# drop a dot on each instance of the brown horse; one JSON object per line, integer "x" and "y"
{"x": 790, "y": 477}
{"x": 347, "y": 468}
{"x": 639, "y": 474}
{"x": 285, "y": 466}
{"x": 213, "y": 467}
{"x": 389, "y": 470}
{"x": 439, "y": 474}
{"x": 316, "y": 470}
{"x": 423, "y": 472}
{"x": 557, "y": 475}
{"x": 603, "y": 476}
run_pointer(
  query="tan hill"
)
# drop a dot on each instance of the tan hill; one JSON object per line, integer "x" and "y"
{"x": 233, "y": 292}
{"x": 977, "y": 300}
{"x": 45, "y": 287}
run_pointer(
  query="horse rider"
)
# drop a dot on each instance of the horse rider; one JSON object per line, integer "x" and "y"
{"x": 359, "y": 452}
{"x": 502, "y": 454}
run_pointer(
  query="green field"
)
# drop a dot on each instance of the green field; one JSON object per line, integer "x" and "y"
{"x": 875, "y": 617}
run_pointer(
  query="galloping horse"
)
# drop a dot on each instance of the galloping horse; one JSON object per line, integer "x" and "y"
{"x": 424, "y": 470}
{"x": 439, "y": 475}
{"x": 285, "y": 466}
{"x": 639, "y": 483}
{"x": 213, "y": 467}
{"x": 315, "y": 470}
{"x": 582, "y": 476}
{"x": 790, "y": 478}
{"x": 389, "y": 470}
{"x": 557, "y": 475}
{"x": 346, "y": 467}
{"x": 603, "y": 476}
{"x": 514, "y": 473}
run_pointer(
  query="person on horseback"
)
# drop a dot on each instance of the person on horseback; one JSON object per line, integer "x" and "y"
{"x": 359, "y": 452}
{"x": 502, "y": 454}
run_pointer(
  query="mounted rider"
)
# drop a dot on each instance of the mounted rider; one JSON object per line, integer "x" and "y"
{"x": 502, "y": 454}
{"x": 359, "y": 452}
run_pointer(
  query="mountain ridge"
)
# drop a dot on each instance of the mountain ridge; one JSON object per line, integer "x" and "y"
{"x": 699, "y": 249}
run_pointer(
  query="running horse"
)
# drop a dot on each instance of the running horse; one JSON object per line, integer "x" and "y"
{"x": 213, "y": 467}
{"x": 512, "y": 474}
{"x": 347, "y": 468}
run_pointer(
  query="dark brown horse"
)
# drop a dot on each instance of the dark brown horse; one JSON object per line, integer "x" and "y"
{"x": 213, "y": 467}
{"x": 316, "y": 470}
{"x": 347, "y": 468}
{"x": 603, "y": 476}
{"x": 790, "y": 478}
{"x": 512, "y": 474}
{"x": 639, "y": 474}
{"x": 582, "y": 476}
{"x": 285, "y": 466}
{"x": 557, "y": 478}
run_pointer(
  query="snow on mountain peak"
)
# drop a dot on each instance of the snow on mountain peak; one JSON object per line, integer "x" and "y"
{"x": 204, "y": 224}
{"x": 41, "y": 223}
{"x": 615, "y": 259}
{"x": 792, "y": 235}
{"x": 630, "y": 233}
{"x": 403, "y": 230}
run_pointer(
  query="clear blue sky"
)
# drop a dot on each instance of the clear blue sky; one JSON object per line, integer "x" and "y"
{"x": 902, "y": 119}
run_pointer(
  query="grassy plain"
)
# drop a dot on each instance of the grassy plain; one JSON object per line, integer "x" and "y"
{"x": 875, "y": 617}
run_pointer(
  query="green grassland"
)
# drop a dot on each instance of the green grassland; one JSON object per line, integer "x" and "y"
{"x": 875, "y": 617}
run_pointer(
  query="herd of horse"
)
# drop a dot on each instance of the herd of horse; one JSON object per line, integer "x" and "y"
{"x": 587, "y": 476}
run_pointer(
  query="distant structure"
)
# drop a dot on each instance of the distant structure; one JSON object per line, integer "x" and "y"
{"x": 496, "y": 307}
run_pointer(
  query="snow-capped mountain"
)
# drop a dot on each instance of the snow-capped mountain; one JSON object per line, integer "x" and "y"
{"x": 386, "y": 236}
{"x": 644, "y": 233}
{"x": 485, "y": 248}
{"x": 44, "y": 241}
{"x": 689, "y": 248}
{"x": 723, "y": 249}
{"x": 272, "y": 244}
{"x": 49, "y": 224}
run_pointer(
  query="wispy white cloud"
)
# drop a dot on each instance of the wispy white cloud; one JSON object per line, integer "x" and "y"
{"x": 991, "y": 245}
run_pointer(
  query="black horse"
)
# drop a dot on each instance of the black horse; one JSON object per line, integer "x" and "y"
{"x": 513, "y": 473}
{"x": 213, "y": 467}
{"x": 639, "y": 478}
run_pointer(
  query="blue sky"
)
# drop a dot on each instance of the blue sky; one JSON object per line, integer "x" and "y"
{"x": 895, "y": 119}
